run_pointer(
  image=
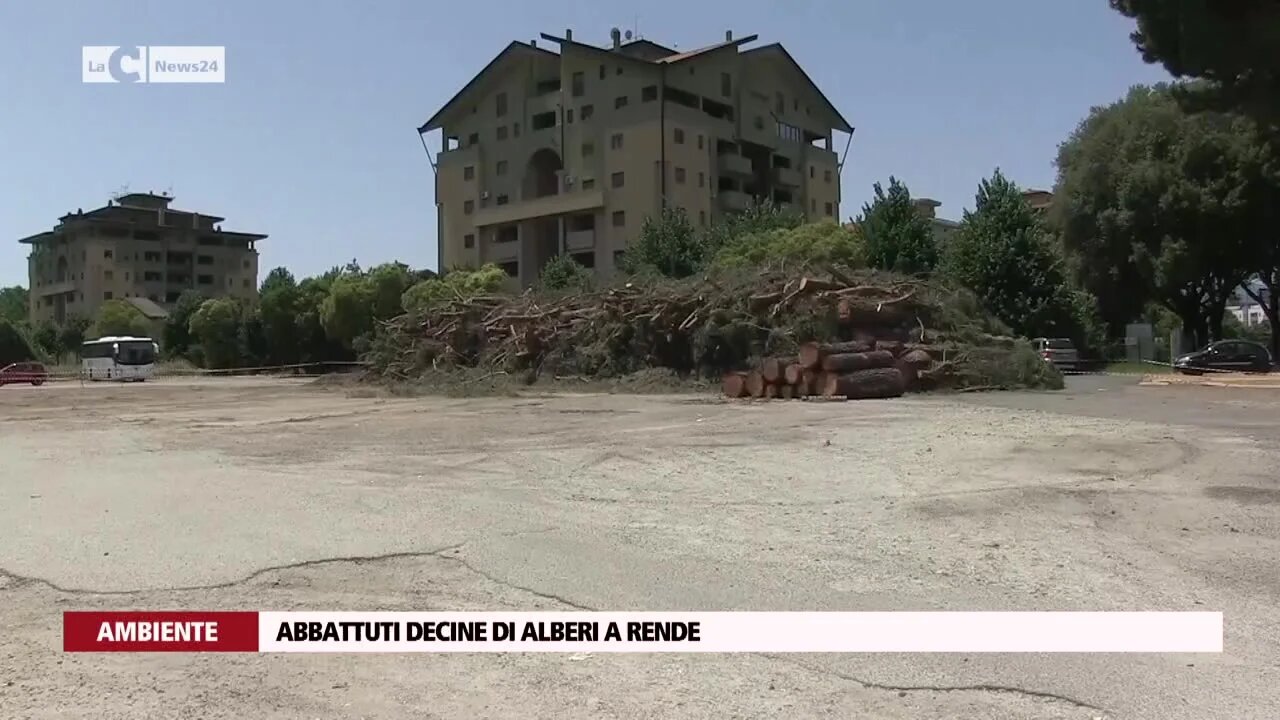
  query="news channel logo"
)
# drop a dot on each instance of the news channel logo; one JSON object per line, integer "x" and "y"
{"x": 153, "y": 64}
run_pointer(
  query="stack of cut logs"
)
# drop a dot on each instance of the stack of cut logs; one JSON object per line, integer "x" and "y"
{"x": 845, "y": 371}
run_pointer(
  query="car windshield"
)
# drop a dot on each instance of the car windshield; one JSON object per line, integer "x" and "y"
{"x": 1059, "y": 344}
{"x": 136, "y": 353}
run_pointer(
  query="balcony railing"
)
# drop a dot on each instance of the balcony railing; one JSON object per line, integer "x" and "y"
{"x": 787, "y": 177}
{"x": 580, "y": 240}
{"x": 735, "y": 164}
{"x": 734, "y": 200}
{"x": 568, "y": 202}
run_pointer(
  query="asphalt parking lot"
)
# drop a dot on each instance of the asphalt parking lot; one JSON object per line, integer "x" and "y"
{"x": 269, "y": 494}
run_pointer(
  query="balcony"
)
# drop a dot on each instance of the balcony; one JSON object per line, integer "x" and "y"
{"x": 56, "y": 288}
{"x": 734, "y": 200}
{"x": 787, "y": 177}
{"x": 545, "y": 206}
{"x": 735, "y": 165}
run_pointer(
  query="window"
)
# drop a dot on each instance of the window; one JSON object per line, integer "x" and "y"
{"x": 617, "y": 70}
{"x": 579, "y": 84}
{"x": 245, "y": 284}
{"x": 588, "y": 149}
{"x": 106, "y": 254}
{"x": 204, "y": 259}
{"x": 501, "y": 168}
{"x": 468, "y": 241}
{"x": 758, "y": 123}
{"x": 678, "y": 135}
{"x": 649, "y": 93}
{"x": 618, "y": 179}
{"x": 619, "y": 257}
{"x": 568, "y": 116}
{"x": 810, "y": 172}
{"x": 468, "y": 207}
{"x": 779, "y": 103}
{"x": 615, "y": 141}
{"x": 702, "y": 179}
{"x": 503, "y": 199}
{"x": 152, "y": 277}
{"x": 619, "y": 218}
{"x": 153, "y": 298}
{"x": 108, "y": 275}
{"x": 469, "y": 172}
{"x": 589, "y": 184}
{"x": 204, "y": 279}
{"x": 795, "y": 105}
{"x": 512, "y": 268}
{"x": 788, "y": 132}
{"x": 826, "y": 176}
{"x": 702, "y": 218}
{"x": 502, "y": 132}
{"x": 726, "y": 84}
{"x": 830, "y": 209}
{"x": 126, "y": 276}
{"x": 680, "y": 176}
{"x": 173, "y": 295}
{"x": 515, "y": 129}
{"x": 107, "y": 295}
{"x": 585, "y": 259}
{"x": 586, "y": 112}
{"x": 473, "y": 138}
{"x": 245, "y": 264}
{"x": 507, "y": 233}
{"x": 545, "y": 120}
{"x": 813, "y": 206}
{"x": 620, "y": 102}
{"x": 602, "y": 71}
{"x": 501, "y": 103}
{"x": 699, "y": 142}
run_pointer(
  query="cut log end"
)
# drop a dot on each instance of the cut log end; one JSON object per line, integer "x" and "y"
{"x": 793, "y": 374}
{"x": 755, "y": 384}
{"x": 734, "y": 384}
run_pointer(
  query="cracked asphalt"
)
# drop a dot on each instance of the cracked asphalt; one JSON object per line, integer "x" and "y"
{"x": 281, "y": 495}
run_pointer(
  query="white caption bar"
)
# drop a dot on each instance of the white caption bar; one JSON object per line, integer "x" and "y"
{"x": 726, "y": 632}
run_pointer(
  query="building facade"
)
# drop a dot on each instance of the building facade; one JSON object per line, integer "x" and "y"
{"x": 568, "y": 151}
{"x": 136, "y": 247}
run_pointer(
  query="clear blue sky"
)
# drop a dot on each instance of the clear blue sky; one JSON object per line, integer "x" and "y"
{"x": 312, "y": 138}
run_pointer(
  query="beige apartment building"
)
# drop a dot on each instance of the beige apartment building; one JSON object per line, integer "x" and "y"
{"x": 139, "y": 249}
{"x": 569, "y": 149}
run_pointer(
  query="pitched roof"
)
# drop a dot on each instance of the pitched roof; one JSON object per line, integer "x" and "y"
{"x": 710, "y": 48}
{"x": 516, "y": 47}
{"x": 777, "y": 48}
{"x": 148, "y": 308}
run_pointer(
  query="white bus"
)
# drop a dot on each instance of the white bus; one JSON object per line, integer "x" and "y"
{"x": 119, "y": 358}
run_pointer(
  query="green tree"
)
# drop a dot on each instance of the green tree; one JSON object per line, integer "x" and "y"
{"x": 279, "y": 308}
{"x": 72, "y": 332}
{"x": 823, "y": 243}
{"x": 314, "y": 344}
{"x": 13, "y": 304}
{"x": 1230, "y": 44}
{"x": 175, "y": 336}
{"x": 347, "y": 312}
{"x": 120, "y": 317}
{"x": 453, "y": 284}
{"x": 897, "y": 236}
{"x": 15, "y": 346}
{"x": 757, "y": 219}
{"x": 667, "y": 245}
{"x": 215, "y": 327}
{"x": 1157, "y": 205}
{"x": 386, "y": 284}
{"x": 45, "y": 336}
{"x": 562, "y": 272}
{"x": 1005, "y": 256}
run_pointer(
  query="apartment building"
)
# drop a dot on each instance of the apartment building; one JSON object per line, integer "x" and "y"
{"x": 136, "y": 247}
{"x": 568, "y": 148}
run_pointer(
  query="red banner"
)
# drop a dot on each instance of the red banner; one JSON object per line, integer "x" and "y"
{"x": 160, "y": 631}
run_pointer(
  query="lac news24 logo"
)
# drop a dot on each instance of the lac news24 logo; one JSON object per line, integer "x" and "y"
{"x": 153, "y": 64}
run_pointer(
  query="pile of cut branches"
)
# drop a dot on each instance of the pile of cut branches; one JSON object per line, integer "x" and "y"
{"x": 704, "y": 327}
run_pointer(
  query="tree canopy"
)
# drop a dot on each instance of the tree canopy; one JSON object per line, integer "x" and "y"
{"x": 1157, "y": 203}
{"x": 1233, "y": 45}
{"x": 897, "y": 236}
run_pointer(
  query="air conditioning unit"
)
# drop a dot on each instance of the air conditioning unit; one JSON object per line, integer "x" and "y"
{"x": 568, "y": 180}
{"x": 484, "y": 195}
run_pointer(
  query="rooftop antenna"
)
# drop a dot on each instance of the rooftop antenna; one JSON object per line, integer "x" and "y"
{"x": 120, "y": 192}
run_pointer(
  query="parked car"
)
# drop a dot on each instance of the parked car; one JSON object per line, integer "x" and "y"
{"x": 1059, "y": 351}
{"x": 1240, "y": 355}
{"x": 24, "y": 372}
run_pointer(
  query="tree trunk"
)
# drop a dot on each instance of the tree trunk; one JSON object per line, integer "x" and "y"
{"x": 851, "y": 362}
{"x": 864, "y": 384}
{"x": 811, "y": 354}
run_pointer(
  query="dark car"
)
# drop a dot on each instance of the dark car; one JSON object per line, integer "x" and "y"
{"x": 1238, "y": 355}
{"x": 24, "y": 372}
{"x": 1060, "y": 352}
